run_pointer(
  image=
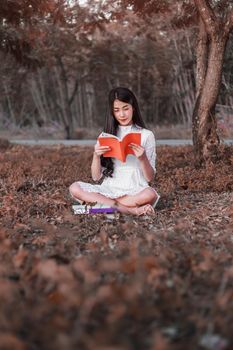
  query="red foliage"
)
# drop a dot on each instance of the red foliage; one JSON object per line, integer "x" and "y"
{"x": 87, "y": 282}
{"x": 25, "y": 25}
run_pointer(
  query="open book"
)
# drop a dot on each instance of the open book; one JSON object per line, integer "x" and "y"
{"x": 119, "y": 148}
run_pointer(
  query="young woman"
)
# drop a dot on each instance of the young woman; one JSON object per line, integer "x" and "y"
{"x": 125, "y": 185}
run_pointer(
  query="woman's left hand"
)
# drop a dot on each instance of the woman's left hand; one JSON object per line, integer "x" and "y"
{"x": 139, "y": 151}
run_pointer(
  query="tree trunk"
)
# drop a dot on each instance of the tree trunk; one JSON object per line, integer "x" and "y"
{"x": 9, "y": 104}
{"x": 69, "y": 127}
{"x": 202, "y": 57}
{"x": 213, "y": 35}
{"x": 205, "y": 137}
{"x": 61, "y": 103}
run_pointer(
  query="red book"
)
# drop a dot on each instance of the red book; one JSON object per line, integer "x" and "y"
{"x": 119, "y": 148}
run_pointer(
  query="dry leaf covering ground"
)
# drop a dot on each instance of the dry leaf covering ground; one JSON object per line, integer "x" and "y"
{"x": 86, "y": 282}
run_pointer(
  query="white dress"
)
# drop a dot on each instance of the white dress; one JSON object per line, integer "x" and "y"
{"x": 127, "y": 177}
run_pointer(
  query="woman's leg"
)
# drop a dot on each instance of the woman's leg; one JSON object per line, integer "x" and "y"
{"x": 141, "y": 202}
{"x": 135, "y": 204}
{"x": 77, "y": 192}
{"x": 146, "y": 196}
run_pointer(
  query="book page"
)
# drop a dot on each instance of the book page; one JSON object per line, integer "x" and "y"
{"x": 130, "y": 138}
{"x": 105, "y": 134}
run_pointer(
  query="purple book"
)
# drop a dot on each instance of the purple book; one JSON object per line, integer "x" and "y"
{"x": 102, "y": 210}
{"x": 96, "y": 209}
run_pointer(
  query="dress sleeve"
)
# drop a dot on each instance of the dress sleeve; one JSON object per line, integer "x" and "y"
{"x": 150, "y": 148}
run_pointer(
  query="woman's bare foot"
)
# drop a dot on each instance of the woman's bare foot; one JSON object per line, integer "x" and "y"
{"x": 146, "y": 209}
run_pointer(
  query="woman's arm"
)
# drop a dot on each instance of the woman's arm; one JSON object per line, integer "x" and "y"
{"x": 96, "y": 169}
{"x": 96, "y": 172}
{"x": 147, "y": 156}
{"x": 147, "y": 169}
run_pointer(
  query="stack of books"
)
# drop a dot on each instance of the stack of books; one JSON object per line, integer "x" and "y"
{"x": 93, "y": 209}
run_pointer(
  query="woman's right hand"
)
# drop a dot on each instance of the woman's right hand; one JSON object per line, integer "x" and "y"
{"x": 100, "y": 150}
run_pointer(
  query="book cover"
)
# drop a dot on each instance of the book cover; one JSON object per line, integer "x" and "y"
{"x": 119, "y": 148}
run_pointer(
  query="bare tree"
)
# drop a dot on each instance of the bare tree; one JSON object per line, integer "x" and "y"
{"x": 214, "y": 28}
{"x": 215, "y": 21}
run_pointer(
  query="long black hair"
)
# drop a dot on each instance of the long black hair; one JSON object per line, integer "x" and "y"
{"x": 111, "y": 124}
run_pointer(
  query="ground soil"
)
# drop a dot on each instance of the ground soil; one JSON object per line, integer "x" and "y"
{"x": 90, "y": 282}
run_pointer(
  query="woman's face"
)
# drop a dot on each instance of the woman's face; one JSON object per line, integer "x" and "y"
{"x": 123, "y": 112}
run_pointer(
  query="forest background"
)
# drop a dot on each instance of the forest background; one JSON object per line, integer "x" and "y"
{"x": 158, "y": 282}
{"x": 64, "y": 63}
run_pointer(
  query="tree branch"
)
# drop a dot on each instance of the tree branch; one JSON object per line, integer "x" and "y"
{"x": 208, "y": 16}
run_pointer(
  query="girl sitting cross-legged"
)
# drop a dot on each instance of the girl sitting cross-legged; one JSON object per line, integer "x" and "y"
{"x": 126, "y": 184}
